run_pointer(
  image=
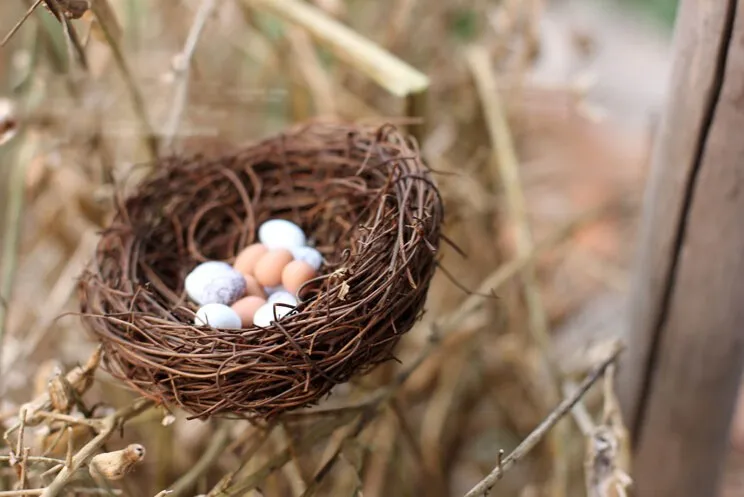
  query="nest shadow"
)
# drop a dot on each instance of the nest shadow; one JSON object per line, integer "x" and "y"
{"x": 369, "y": 206}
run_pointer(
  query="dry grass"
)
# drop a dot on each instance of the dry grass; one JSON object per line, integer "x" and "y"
{"x": 189, "y": 75}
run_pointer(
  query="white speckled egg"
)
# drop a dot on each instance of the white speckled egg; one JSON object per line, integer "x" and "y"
{"x": 283, "y": 297}
{"x": 217, "y": 316}
{"x": 264, "y": 316}
{"x": 215, "y": 283}
{"x": 280, "y": 233}
{"x": 309, "y": 255}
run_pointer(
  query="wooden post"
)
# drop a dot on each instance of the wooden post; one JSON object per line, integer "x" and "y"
{"x": 680, "y": 375}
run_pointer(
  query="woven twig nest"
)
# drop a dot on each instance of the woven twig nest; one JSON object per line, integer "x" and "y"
{"x": 367, "y": 202}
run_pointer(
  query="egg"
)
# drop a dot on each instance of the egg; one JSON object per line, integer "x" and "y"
{"x": 264, "y": 315}
{"x": 282, "y": 297}
{"x": 280, "y": 233}
{"x": 309, "y": 255}
{"x": 253, "y": 287}
{"x": 217, "y": 316}
{"x": 246, "y": 309}
{"x": 269, "y": 268}
{"x": 215, "y": 283}
{"x": 295, "y": 274}
{"x": 246, "y": 260}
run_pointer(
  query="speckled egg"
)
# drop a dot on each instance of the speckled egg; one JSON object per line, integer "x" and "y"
{"x": 215, "y": 283}
{"x": 280, "y": 233}
{"x": 217, "y": 316}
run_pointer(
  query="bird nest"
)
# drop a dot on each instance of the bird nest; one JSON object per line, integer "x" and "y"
{"x": 369, "y": 206}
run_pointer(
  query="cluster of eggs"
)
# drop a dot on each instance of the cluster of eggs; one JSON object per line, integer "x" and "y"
{"x": 261, "y": 285}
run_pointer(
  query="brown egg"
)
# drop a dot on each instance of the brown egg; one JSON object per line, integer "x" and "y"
{"x": 246, "y": 308}
{"x": 295, "y": 274}
{"x": 246, "y": 260}
{"x": 253, "y": 287}
{"x": 269, "y": 268}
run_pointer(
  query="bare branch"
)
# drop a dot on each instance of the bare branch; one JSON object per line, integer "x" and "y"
{"x": 483, "y": 488}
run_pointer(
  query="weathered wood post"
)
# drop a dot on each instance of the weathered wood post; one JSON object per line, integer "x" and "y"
{"x": 680, "y": 374}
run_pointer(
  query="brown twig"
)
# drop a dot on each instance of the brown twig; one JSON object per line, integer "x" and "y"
{"x": 483, "y": 488}
{"x": 20, "y": 22}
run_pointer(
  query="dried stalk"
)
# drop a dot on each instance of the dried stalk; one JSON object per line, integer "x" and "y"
{"x": 506, "y": 173}
{"x": 391, "y": 73}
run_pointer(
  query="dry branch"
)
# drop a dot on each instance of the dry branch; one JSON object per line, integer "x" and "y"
{"x": 484, "y": 487}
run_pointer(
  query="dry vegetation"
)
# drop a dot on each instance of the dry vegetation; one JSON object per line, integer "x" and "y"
{"x": 538, "y": 194}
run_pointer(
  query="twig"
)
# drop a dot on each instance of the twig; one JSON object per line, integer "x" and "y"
{"x": 109, "y": 425}
{"x": 484, "y": 486}
{"x": 21, "y": 432}
{"x": 70, "y": 447}
{"x": 220, "y": 441}
{"x": 24, "y": 469}
{"x": 55, "y": 416}
{"x": 579, "y": 411}
{"x": 182, "y": 69}
{"x": 35, "y": 459}
{"x": 20, "y": 22}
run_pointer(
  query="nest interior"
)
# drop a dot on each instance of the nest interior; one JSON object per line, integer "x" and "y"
{"x": 367, "y": 203}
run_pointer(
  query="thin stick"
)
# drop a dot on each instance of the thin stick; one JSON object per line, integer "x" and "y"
{"x": 484, "y": 487}
{"x": 20, "y": 22}
{"x": 35, "y": 459}
{"x": 70, "y": 448}
{"x": 183, "y": 70}
{"x": 24, "y": 469}
{"x": 21, "y": 432}
{"x": 55, "y": 416}
{"x": 110, "y": 424}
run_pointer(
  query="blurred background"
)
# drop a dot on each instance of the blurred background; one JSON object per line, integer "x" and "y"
{"x": 580, "y": 84}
